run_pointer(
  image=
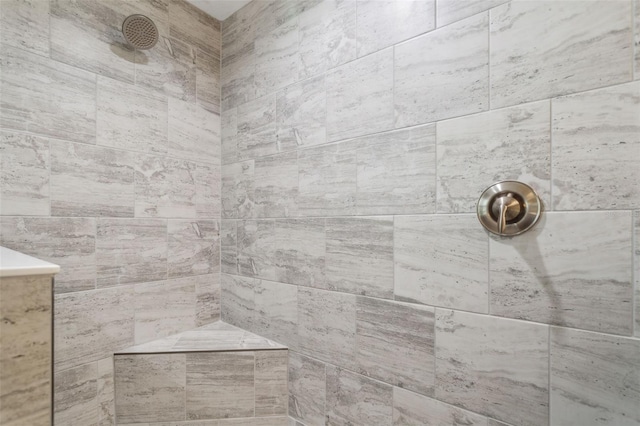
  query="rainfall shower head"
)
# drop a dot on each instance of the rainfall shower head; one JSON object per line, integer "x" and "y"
{"x": 140, "y": 32}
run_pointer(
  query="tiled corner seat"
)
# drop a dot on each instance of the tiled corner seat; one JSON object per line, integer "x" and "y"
{"x": 216, "y": 375}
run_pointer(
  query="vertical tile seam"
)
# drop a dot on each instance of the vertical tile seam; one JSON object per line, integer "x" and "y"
{"x": 551, "y": 143}
{"x": 549, "y": 374}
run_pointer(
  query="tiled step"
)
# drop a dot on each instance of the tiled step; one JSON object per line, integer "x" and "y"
{"x": 215, "y": 375}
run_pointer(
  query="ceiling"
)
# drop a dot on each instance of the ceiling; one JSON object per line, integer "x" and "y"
{"x": 219, "y": 9}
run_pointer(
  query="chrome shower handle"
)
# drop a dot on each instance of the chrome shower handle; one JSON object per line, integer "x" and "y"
{"x": 508, "y": 208}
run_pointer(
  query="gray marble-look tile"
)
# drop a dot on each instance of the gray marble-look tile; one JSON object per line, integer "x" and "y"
{"x": 165, "y": 187}
{"x": 492, "y": 422}
{"x": 229, "y": 131}
{"x": 449, "y": 11}
{"x": 220, "y": 385}
{"x": 169, "y": 68}
{"x": 207, "y": 298}
{"x": 302, "y": 114}
{"x": 130, "y": 117}
{"x": 355, "y": 399}
{"x": 257, "y": 128}
{"x": 596, "y": 149}
{"x": 276, "y": 185}
{"x": 238, "y": 193}
{"x": 554, "y": 275}
{"x": 327, "y": 180}
{"x": 150, "y": 388}
{"x": 89, "y": 180}
{"x": 326, "y": 36}
{"x": 130, "y": 251}
{"x": 194, "y": 132}
{"x": 46, "y": 97}
{"x": 636, "y": 270}
{"x": 385, "y": 23}
{"x": 360, "y": 97}
{"x": 507, "y": 144}
{"x": 25, "y": 25}
{"x": 106, "y": 392}
{"x": 442, "y": 261}
{"x": 254, "y": 421}
{"x": 67, "y": 242}
{"x": 229, "y": 246}
{"x": 637, "y": 40}
{"x": 25, "y": 350}
{"x": 276, "y": 311}
{"x": 238, "y": 301}
{"x": 327, "y": 326}
{"x": 24, "y": 175}
{"x": 208, "y": 81}
{"x": 164, "y": 308}
{"x": 271, "y": 397}
{"x": 208, "y": 191}
{"x": 76, "y": 396}
{"x": 594, "y": 378}
{"x": 307, "y": 389}
{"x": 395, "y": 343}
{"x": 102, "y": 322}
{"x": 452, "y": 80}
{"x": 360, "y": 255}
{"x": 411, "y": 409}
{"x": 493, "y": 366}
{"x": 397, "y": 172}
{"x": 239, "y": 29}
{"x": 582, "y": 46}
{"x": 276, "y": 58}
{"x": 237, "y": 76}
{"x": 88, "y": 35}
{"x": 193, "y": 26}
{"x": 193, "y": 247}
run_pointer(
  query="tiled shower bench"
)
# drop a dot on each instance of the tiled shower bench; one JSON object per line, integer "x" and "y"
{"x": 216, "y": 375}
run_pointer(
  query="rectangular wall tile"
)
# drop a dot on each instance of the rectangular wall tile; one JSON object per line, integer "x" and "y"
{"x": 326, "y": 36}
{"x": 360, "y": 256}
{"x": 553, "y": 275}
{"x": 594, "y": 378}
{"x": 397, "y": 172}
{"x": 238, "y": 190}
{"x": 395, "y": 343}
{"x": 385, "y": 23}
{"x": 252, "y": 421}
{"x": 257, "y": 128}
{"x": 208, "y": 81}
{"x": 307, "y": 389}
{"x": 271, "y": 391}
{"x": 411, "y": 409}
{"x": 102, "y": 321}
{"x": 636, "y": 270}
{"x": 229, "y": 132}
{"x": 451, "y": 81}
{"x": 150, "y": 388}
{"x": 25, "y": 25}
{"x": 76, "y": 395}
{"x": 165, "y": 187}
{"x": 450, "y": 11}
{"x": 193, "y": 247}
{"x": 527, "y": 34}
{"x": 596, "y": 149}
{"x": 301, "y": 117}
{"x": 493, "y": 366}
{"x": 130, "y": 251}
{"x": 207, "y": 298}
{"x": 360, "y": 97}
{"x": 327, "y": 180}
{"x": 276, "y": 311}
{"x": 24, "y": 175}
{"x": 238, "y": 301}
{"x": 164, "y": 308}
{"x": 67, "y": 242}
{"x": 355, "y": 399}
{"x": 442, "y": 261}
{"x": 208, "y": 191}
{"x": 106, "y": 392}
{"x": 637, "y": 40}
{"x": 193, "y": 26}
{"x": 194, "y": 132}
{"x": 236, "y": 76}
{"x": 506, "y": 144}
{"x": 276, "y": 185}
{"x": 276, "y": 58}
{"x": 91, "y": 181}
{"x": 253, "y": 248}
{"x": 46, "y": 97}
{"x": 228, "y": 246}
{"x": 130, "y": 117}
{"x": 224, "y": 391}
{"x": 327, "y": 326}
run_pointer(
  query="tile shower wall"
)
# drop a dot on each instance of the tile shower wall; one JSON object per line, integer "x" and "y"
{"x": 110, "y": 167}
{"x": 356, "y": 139}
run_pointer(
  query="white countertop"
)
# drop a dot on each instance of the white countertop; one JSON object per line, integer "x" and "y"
{"x": 16, "y": 264}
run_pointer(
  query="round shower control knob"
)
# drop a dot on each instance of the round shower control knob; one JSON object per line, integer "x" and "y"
{"x": 509, "y": 208}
